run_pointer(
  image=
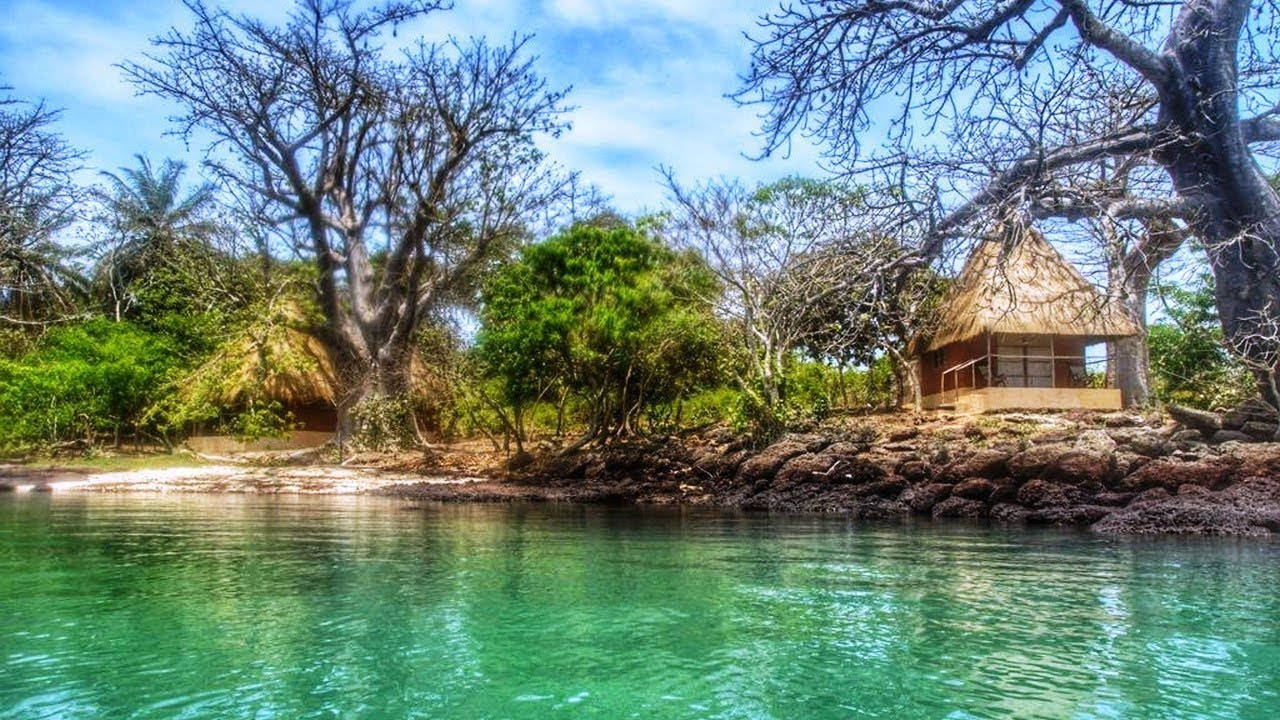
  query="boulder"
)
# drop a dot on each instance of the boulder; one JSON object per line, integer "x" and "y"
{"x": 958, "y": 507}
{"x": 1043, "y": 493}
{"x": 1206, "y": 422}
{"x": 890, "y": 487}
{"x": 1079, "y": 467}
{"x": 1186, "y": 436}
{"x": 1113, "y": 499}
{"x": 1224, "y": 436}
{"x": 1142, "y": 441}
{"x": 1248, "y": 508}
{"x": 915, "y": 471}
{"x": 1006, "y": 490}
{"x": 975, "y": 488}
{"x": 1259, "y": 430}
{"x": 904, "y": 434}
{"x": 1070, "y": 515}
{"x": 806, "y": 467}
{"x": 983, "y": 463}
{"x": 1009, "y": 513}
{"x": 922, "y": 498}
{"x": 856, "y": 471}
{"x": 1171, "y": 474}
{"x": 766, "y": 463}
{"x": 1030, "y": 463}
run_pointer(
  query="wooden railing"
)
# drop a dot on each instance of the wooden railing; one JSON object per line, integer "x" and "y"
{"x": 996, "y": 380}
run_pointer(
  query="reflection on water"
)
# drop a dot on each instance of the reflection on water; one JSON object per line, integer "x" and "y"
{"x": 252, "y": 607}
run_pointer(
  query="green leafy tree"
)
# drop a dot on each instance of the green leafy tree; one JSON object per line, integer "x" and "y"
{"x": 1189, "y": 361}
{"x": 85, "y": 381}
{"x": 608, "y": 313}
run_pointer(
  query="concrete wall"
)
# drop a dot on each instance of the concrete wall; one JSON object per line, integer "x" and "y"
{"x": 1015, "y": 398}
{"x": 227, "y": 445}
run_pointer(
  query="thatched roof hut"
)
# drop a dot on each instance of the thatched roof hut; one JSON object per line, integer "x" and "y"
{"x": 1013, "y": 332}
{"x": 1024, "y": 285}
{"x": 275, "y": 359}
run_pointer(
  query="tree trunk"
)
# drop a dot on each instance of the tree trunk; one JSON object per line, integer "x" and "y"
{"x": 1208, "y": 160}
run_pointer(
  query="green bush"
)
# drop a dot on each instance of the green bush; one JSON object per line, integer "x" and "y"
{"x": 92, "y": 381}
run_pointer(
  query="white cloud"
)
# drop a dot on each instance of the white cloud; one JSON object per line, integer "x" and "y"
{"x": 649, "y": 78}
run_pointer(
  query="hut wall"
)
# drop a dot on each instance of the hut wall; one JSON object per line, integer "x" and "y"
{"x": 932, "y": 364}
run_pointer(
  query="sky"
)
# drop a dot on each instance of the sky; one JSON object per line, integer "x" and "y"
{"x": 648, "y": 77}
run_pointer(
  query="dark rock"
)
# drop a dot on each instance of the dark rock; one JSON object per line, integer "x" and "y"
{"x": 1190, "y": 489}
{"x": 1079, "y": 466}
{"x": 889, "y": 487}
{"x": 856, "y": 471}
{"x": 877, "y": 508}
{"x": 1249, "y": 508}
{"x": 1259, "y": 430}
{"x": 1151, "y": 495}
{"x": 1070, "y": 515}
{"x": 1009, "y": 513}
{"x": 1171, "y": 474}
{"x": 7, "y": 487}
{"x": 803, "y": 468}
{"x": 1031, "y": 462}
{"x": 1113, "y": 499}
{"x": 42, "y": 487}
{"x": 1186, "y": 436}
{"x": 975, "y": 488}
{"x": 904, "y": 434}
{"x": 983, "y": 463}
{"x": 1223, "y": 436}
{"x": 767, "y": 462}
{"x": 1043, "y": 493}
{"x": 1006, "y": 490}
{"x": 1206, "y": 422}
{"x": 958, "y": 507}
{"x": 914, "y": 471}
{"x": 922, "y": 498}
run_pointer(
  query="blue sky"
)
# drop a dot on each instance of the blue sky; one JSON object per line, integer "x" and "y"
{"x": 648, "y": 78}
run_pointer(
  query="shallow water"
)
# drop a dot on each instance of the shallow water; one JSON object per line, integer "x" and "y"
{"x": 255, "y": 607}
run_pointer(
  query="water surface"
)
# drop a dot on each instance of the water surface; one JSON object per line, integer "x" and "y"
{"x": 253, "y": 607}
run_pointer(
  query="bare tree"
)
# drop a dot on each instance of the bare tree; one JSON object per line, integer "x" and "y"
{"x": 38, "y": 199}
{"x": 803, "y": 264}
{"x": 983, "y": 94}
{"x": 403, "y": 175}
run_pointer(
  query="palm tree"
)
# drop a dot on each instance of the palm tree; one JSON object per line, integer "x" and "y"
{"x": 152, "y": 223}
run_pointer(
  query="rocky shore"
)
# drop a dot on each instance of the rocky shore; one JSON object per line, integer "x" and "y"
{"x": 1115, "y": 473}
{"x": 1188, "y": 472}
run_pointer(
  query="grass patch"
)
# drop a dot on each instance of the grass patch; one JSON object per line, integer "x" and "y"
{"x": 113, "y": 463}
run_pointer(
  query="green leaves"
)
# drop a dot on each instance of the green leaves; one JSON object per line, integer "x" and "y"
{"x": 92, "y": 378}
{"x": 612, "y": 315}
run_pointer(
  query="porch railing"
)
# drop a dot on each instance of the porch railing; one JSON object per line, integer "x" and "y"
{"x": 1079, "y": 373}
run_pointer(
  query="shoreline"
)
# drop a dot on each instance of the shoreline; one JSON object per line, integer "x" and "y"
{"x": 1109, "y": 473}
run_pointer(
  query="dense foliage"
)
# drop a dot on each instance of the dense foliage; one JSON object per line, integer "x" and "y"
{"x": 91, "y": 381}
{"x": 620, "y": 322}
{"x": 1189, "y": 362}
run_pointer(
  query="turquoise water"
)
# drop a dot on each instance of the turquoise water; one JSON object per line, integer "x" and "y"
{"x": 252, "y": 607}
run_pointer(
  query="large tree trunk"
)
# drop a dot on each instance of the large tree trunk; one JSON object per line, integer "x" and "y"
{"x": 1129, "y": 368}
{"x": 1209, "y": 161}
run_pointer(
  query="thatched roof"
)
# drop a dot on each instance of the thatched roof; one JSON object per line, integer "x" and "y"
{"x": 1022, "y": 284}
{"x": 273, "y": 359}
